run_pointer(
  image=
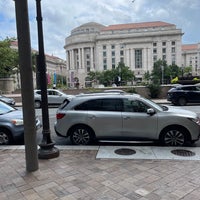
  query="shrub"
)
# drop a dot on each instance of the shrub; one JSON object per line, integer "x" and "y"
{"x": 154, "y": 90}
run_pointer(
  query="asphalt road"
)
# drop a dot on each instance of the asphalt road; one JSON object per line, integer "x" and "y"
{"x": 66, "y": 141}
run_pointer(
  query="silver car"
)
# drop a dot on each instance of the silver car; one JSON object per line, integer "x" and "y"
{"x": 12, "y": 124}
{"x": 125, "y": 117}
{"x": 55, "y": 97}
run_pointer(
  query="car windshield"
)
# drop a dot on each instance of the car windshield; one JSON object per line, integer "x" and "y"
{"x": 4, "y": 108}
{"x": 155, "y": 105}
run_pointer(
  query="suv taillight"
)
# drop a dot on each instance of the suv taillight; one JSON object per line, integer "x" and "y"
{"x": 60, "y": 115}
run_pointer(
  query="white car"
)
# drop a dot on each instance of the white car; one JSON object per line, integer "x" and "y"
{"x": 55, "y": 97}
{"x": 125, "y": 117}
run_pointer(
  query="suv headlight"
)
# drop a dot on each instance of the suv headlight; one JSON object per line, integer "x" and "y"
{"x": 18, "y": 122}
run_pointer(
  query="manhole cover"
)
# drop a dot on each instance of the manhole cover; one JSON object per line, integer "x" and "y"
{"x": 125, "y": 151}
{"x": 182, "y": 152}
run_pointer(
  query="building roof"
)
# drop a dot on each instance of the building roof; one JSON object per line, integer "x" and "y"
{"x": 187, "y": 47}
{"x": 137, "y": 25}
{"x": 14, "y": 44}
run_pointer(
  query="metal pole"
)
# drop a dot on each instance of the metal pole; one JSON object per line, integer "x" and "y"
{"x": 47, "y": 149}
{"x": 162, "y": 68}
{"x": 25, "y": 63}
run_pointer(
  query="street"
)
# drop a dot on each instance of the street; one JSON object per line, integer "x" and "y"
{"x": 66, "y": 141}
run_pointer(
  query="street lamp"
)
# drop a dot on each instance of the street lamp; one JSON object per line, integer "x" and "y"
{"x": 47, "y": 149}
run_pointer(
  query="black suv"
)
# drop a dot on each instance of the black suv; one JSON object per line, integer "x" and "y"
{"x": 181, "y": 95}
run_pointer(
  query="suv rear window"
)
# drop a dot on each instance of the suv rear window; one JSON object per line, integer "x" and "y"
{"x": 101, "y": 105}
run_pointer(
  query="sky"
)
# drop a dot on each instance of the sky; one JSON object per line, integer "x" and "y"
{"x": 61, "y": 16}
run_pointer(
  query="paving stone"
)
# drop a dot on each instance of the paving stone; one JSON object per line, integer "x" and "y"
{"x": 77, "y": 174}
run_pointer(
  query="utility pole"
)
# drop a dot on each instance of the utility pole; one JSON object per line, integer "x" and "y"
{"x": 47, "y": 149}
{"x": 24, "y": 48}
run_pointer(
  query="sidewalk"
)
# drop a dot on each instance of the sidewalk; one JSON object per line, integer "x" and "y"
{"x": 77, "y": 174}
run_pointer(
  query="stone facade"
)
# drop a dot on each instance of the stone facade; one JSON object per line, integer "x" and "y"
{"x": 95, "y": 47}
{"x": 191, "y": 57}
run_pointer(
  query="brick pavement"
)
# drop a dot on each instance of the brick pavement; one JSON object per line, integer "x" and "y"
{"x": 78, "y": 175}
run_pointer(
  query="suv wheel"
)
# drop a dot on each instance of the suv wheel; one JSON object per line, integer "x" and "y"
{"x": 173, "y": 136}
{"x": 182, "y": 101}
{"x": 5, "y": 137}
{"x": 81, "y": 135}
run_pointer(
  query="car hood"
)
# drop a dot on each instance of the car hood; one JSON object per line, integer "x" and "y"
{"x": 15, "y": 114}
{"x": 6, "y": 99}
{"x": 181, "y": 111}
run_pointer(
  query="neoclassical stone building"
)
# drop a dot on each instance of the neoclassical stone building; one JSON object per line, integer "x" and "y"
{"x": 95, "y": 47}
{"x": 191, "y": 57}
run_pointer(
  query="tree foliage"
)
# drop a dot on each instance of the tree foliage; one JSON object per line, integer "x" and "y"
{"x": 162, "y": 70}
{"x": 9, "y": 58}
{"x": 109, "y": 77}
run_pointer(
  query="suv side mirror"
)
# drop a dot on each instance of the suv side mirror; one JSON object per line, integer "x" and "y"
{"x": 151, "y": 111}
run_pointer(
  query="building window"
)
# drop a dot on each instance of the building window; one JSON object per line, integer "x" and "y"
{"x": 173, "y": 59}
{"x": 164, "y": 57}
{"x": 88, "y": 69}
{"x": 138, "y": 58}
{"x": 104, "y": 47}
{"x": 113, "y": 63}
{"x": 173, "y": 49}
{"x": 122, "y": 60}
{"x": 164, "y": 43}
{"x": 112, "y": 46}
{"x": 104, "y": 53}
{"x": 154, "y": 58}
{"x": 121, "y": 53}
{"x": 173, "y": 43}
{"x": 154, "y": 44}
{"x": 155, "y": 51}
{"x": 113, "y": 53}
{"x": 105, "y": 64}
{"x": 163, "y": 50}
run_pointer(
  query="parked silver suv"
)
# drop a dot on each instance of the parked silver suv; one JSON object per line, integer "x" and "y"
{"x": 125, "y": 117}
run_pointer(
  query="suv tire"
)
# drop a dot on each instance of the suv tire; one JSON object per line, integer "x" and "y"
{"x": 173, "y": 136}
{"x": 182, "y": 101}
{"x": 81, "y": 135}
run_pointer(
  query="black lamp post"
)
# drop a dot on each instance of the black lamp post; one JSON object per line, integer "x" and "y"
{"x": 47, "y": 149}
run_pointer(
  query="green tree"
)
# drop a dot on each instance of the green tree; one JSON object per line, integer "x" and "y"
{"x": 109, "y": 76}
{"x": 9, "y": 59}
{"x": 171, "y": 72}
{"x": 159, "y": 70}
{"x": 147, "y": 76}
{"x": 187, "y": 70}
{"x": 124, "y": 72}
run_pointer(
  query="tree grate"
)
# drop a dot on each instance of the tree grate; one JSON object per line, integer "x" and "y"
{"x": 125, "y": 151}
{"x": 183, "y": 152}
